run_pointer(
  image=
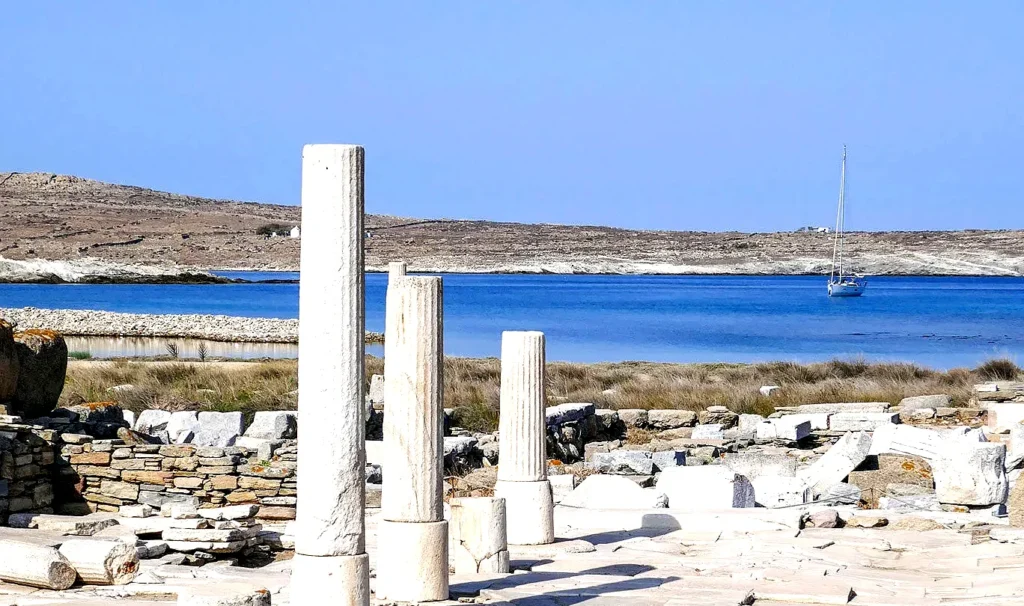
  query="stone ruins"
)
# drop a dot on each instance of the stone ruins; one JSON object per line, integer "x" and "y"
{"x": 378, "y": 498}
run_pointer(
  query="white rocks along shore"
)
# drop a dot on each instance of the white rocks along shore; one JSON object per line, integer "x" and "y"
{"x": 81, "y": 322}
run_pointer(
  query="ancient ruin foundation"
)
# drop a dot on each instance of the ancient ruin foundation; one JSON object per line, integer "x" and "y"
{"x": 330, "y": 555}
{"x": 522, "y": 466}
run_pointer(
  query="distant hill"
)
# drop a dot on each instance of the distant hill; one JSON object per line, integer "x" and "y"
{"x": 60, "y": 217}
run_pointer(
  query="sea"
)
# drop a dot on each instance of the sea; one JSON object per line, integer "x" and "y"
{"x": 939, "y": 322}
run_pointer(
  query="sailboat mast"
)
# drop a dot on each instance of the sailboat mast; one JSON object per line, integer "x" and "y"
{"x": 836, "y": 250}
{"x": 842, "y": 215}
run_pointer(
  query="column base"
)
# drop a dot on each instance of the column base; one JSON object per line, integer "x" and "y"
{"x": 529, "y": 511}
{"x": 412, "y": 561}
{"x": 335, "y": 580}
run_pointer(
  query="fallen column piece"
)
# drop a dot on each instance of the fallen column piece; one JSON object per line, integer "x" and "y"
{"x": 35, "y": 565}
{"x": 478, "y": 535}
{"x": 102, "y": 562}
{"x": 837, "y": 463}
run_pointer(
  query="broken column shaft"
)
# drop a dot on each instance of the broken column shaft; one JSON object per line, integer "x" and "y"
{"x": 412, "y": 536}
{"x": 522, "y": 459}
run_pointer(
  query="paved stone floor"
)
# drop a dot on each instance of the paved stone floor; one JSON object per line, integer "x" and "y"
{"x": 660, "y": 557}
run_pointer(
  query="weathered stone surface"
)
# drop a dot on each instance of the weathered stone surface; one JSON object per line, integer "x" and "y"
{"x": 562, "y": 486}
{"x": 710, "y": 431}
{"x": 878, "y": 472}
{"x": 785, "y": 429}
{"x": 706, "y": 488}
{"x": 82, "y": 526}
{"x": 841, "y": 407}
{"x": 42, "y": 364}
{"x": 218, "y": 429}
{"x": 861, "y": 421}
{"x": 613, "y": 492}
{"x": 840, "y": 493}
{"x": 91, "y": 458}
{"x": 780, "y": 491}
{"x": 749, "y": 423}
{"x": 667, "y": 459}
{"x": 182, "y": 426}
{"x": 971, "y": 474}
{"x": 669, "y": 419}
{"x": 119, "y": 490}
{"x": 234, "y": 512}
{"x": 152, "y": 421}
{"x": 634, "y": 417}
{"x": 935, "y": 401}
{"x": 8, "y": 362}
{"x": 902, "y": 439}
{"x": 826, "y": 518}
{"x": 569, "y": 412}
{"x": 274, "y": 425}
{"x": 211, "y": 534}
{"x": 622, "y": 462}
{"x": 844, "y": 456}
{"x": 1015, "y": 505}
{"x": 754, "y": 464}
{"x": 866, "y": 521}
{"x": 818, "y": 420}
{"x": 718, "y": 415}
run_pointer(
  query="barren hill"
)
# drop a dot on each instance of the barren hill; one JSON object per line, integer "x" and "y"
{"x": 49, "y": 216}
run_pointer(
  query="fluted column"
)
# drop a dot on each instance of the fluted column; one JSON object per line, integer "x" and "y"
{"x": 330, "y": 564}
{"x": 396, "y": 269}
{"x": 412, "y": 539}
{"x": 522, "y": 456}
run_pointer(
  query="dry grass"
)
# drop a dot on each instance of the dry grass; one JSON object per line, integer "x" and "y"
{"x": 472, "y": 385}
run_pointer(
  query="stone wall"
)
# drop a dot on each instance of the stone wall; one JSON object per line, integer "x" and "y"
{"x": 26, "y": 464}
{"x": 103, "y": 475}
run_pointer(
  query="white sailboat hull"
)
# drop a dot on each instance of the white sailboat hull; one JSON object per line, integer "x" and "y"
{"x": 846, "y": 289}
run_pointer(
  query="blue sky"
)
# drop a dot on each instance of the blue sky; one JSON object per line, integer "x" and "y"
{"x": 666, "y": 115}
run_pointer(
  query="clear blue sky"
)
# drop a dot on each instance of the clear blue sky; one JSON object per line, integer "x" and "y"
{"x": 679, "y": 115}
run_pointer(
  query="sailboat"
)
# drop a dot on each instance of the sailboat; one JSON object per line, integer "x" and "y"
{"x": 839, "y": 283}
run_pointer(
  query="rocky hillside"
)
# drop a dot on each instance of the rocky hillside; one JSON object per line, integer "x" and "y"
{"x": 57, "y": 217}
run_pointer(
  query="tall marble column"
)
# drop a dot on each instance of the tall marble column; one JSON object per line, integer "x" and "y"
{"x": 522, "y": 441}
{"x": 412, "y": 536}
{"x": 330, "y": 564}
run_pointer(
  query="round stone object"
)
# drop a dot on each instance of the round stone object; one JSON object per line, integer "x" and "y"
{"x": 43, "y": 363}
{"x": 8, "y": 363}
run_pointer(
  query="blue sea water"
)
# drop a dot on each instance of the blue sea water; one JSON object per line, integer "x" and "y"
{"x": 938, "y": 322}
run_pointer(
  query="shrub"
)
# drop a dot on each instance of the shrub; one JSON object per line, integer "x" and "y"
{"x": 999, "y": 370}
{"x": 270, "y": 229}
{"x": 79, "y": 355}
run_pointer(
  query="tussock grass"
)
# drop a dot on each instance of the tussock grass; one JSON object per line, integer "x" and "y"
{"x": 472, "y": 385}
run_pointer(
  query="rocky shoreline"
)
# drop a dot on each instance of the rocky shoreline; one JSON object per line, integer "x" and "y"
{"x": 96, "y": 271}
{"x": 91, "y": 323}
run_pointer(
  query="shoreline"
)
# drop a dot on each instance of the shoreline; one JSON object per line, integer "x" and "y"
{"x": 96, "y": 271}
{"x": 228, "y": 329}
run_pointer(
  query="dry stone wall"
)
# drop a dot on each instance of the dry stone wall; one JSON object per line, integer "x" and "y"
{"x": 26, "y": 463}
{"x": 105, "y": 475}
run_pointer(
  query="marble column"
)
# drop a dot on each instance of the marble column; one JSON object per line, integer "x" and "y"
{"x": 522, "y": 440}
{"x": 330, "y": 564}
{"x": 396, "y": 269}
{"x": 479, "y": 539}
{"x": 412, "y": 539}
